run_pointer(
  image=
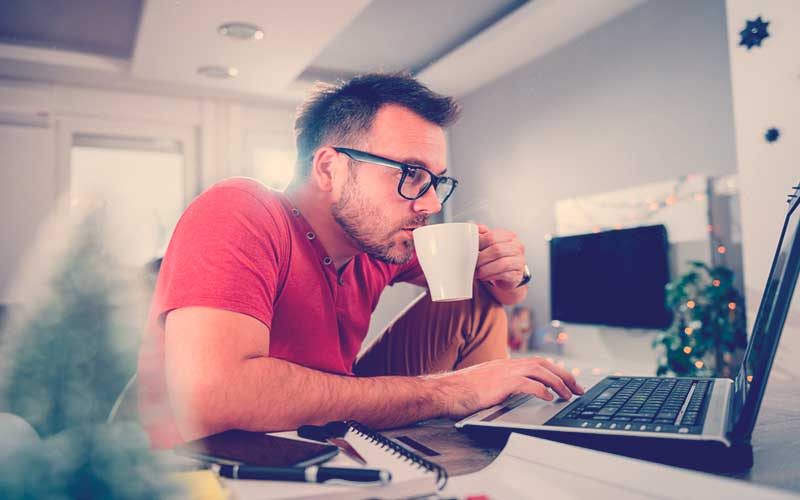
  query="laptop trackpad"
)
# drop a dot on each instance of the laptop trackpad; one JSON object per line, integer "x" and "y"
{"x": 530, "y": 411}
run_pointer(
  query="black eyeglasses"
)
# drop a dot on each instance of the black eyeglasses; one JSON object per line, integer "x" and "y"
{"x": 415, "y": 180}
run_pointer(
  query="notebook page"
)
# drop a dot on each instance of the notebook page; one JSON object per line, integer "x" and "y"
{"x": 534, "y": 468}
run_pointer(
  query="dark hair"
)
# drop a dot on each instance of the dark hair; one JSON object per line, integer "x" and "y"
{"x": 340, "y": 113}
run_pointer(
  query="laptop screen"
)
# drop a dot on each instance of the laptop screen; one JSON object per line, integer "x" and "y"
{"x": 752, "y": 377}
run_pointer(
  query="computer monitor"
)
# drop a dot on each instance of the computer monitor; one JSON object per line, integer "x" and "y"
{"x": 614, "y": 278}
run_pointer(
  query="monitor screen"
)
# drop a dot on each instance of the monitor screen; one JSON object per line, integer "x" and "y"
{"x": 613, "y": 278}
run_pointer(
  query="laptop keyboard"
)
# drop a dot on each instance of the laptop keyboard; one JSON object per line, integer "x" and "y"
{"x": 641, "y": 404}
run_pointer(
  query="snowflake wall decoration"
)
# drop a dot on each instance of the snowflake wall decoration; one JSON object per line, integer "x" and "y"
{"x": 754, "y": 33}
{"x": 772, "y": 134}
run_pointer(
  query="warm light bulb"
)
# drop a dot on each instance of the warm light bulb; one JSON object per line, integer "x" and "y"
{"x": 715, "y": 282}
{"x": 687, "y": 350}
{"x": 698, "y": 364}
{"x": 749, "y": 378}
{"x": 721, "y": 249}
{"x": 732, "y": 306}
{"x": 688, "y": 330}
{"x": 691, "y": 304}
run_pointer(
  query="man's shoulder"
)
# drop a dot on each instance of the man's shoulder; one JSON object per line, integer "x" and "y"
{"x": 245, "y": 185}
{"x": 240, "y": 192}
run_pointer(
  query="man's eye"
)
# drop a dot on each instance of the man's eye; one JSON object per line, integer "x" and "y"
{"x": 411, "y": 174}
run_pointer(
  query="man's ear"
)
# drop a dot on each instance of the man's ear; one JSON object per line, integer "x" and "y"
{"x": 324, "y": 168}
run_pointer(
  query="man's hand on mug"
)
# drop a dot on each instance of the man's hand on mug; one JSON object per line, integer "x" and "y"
{"x": 501, "y": 257}
{"x": 463, "y": 392}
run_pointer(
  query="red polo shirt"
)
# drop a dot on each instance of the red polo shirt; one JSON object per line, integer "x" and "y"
{"x": 243, "y": 247}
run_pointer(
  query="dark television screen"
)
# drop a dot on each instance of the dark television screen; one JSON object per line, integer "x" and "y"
{"x": 613, "y": 278}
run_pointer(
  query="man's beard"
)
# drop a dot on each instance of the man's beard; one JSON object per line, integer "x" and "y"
{"x": 363, "y": 222}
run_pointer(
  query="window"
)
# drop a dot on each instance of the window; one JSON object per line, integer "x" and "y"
{"x": 141, "y": 184}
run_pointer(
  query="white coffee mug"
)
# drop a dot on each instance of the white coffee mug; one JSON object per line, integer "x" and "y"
{"x": 448, "y": 254}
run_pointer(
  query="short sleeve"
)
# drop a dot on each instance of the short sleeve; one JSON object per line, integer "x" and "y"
{"x": 227, "y": 252}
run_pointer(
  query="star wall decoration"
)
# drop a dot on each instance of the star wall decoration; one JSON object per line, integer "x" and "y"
{"x": 772, "y": 134}
{"x": 754, "y": 33}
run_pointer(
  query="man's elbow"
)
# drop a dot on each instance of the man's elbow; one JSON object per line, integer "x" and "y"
{"x": 195, "y": 407}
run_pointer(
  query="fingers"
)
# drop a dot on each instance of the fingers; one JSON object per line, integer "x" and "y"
{"x": 550, "y": 379}
{"x": 503, "y": 261}
{"x": 504, "y": 270}
{"x": 562, "y": 373}
{"x": 559, "y": 379}
{"x": 535, "y": 388}
{"x": 500, "y": 250}
{"x": 489, "y": 237}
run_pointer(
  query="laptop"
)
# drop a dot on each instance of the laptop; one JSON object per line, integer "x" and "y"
{"x": 696, "y": 422}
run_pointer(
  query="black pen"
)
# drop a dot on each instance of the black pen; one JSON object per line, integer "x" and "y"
{"x": 312, "y": 474}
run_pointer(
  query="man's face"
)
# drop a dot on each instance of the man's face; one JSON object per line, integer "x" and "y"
{"x": 369, "y": 209}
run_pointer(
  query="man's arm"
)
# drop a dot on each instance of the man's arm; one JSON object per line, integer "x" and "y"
{"x": 220, "y": 377}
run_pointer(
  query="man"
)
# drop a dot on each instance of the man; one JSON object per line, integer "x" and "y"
{"x": 264, "y": 298}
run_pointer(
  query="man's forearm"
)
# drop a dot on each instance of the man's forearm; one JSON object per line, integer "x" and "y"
{"x": 269, "y": 394}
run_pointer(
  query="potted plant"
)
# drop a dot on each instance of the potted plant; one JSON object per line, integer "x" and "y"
{"x": 708, "y": 329}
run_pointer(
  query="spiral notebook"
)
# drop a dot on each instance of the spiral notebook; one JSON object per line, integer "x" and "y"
{"x": 412, "y": 475}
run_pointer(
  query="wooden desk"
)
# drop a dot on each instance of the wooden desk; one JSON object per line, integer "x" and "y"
{"x": 776, "y": 442}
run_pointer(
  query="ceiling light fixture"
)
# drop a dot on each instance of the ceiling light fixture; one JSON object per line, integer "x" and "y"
{"x": 241, "y": 31}
{"x": 218, "y": 72}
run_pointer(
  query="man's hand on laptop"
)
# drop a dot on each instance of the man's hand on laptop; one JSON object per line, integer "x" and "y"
{"x": 465, "y": 391}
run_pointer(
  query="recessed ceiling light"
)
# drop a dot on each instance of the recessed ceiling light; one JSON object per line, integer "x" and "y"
{"x": 241, "y": 31}
{"x": 218, "y": 72}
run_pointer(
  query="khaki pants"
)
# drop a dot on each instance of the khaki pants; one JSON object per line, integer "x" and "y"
{"x": 432, "y": 337}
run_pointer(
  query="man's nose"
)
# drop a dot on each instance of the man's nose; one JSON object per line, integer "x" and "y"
{"x": 428, "y": 203}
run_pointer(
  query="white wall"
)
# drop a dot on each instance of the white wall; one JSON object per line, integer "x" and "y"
{"x": 766, "y": 93}
{"x": 642, "y": 99}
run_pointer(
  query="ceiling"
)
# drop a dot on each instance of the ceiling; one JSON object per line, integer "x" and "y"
{"x": 455, "y": 46}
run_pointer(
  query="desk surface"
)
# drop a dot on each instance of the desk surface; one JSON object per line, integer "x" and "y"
{"x": 776, "y": 441}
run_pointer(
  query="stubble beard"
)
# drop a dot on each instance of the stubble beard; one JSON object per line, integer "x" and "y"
{"x": 364, "y": 223}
